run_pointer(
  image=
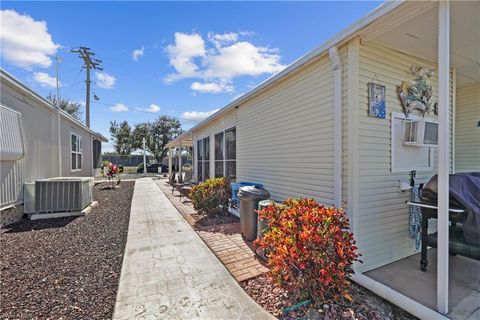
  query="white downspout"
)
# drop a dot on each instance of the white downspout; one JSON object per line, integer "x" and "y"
{"x": 59, "y": 130}
{"x": 337, "y": 107}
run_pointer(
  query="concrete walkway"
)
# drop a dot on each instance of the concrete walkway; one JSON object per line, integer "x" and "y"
{"x": 169, "y": 273}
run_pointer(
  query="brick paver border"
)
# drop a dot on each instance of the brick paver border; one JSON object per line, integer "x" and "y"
{"x": 230, "y": 249}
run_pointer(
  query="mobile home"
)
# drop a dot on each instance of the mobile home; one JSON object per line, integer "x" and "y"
{"x": 37, "y": 142}
{"x": 346, "y": 124}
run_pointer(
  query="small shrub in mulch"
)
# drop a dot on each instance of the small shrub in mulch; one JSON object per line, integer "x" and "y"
{"x": 309, "y": 249}
{"x": 212, "y": 196}
{"x": 66, "y": 268}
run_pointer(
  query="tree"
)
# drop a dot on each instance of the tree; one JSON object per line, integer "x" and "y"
{"x": 70, "y": 107}
{"x": 157, "y": 133}
{"x": 122, "y": 137}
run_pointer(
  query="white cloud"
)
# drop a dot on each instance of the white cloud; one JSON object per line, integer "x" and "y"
{"x": 241, "y": 59}
{"x": 25, "y": 41}
{"x": 104, "y": 80}
{"x": 212, "y": 87}
{"x": 45, "y": 80}
{"x": 187, "y": 47}
{"x": 137, "y": 53}
{"x": 219, "y": 64}
{"x": 153, "y": 108}
{"x": 198, "y": 115}
{"x": 119, "y": 107}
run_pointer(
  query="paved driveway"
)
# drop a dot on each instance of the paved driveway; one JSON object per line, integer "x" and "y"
{"x": 169, "y": 273}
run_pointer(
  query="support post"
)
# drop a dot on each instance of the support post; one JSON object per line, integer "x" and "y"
{"x": 169, "y": 162}
{"x": 443, "y": 153}
{"x": 180, "y": 163}
{"x": 144, "y": 157}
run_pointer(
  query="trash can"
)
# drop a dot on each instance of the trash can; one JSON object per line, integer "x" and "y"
{"x": 236, "y": 187}
{"x": 262, "y": 227}
{"x": 249, "y": 197}
{"x": 262, "y": 224}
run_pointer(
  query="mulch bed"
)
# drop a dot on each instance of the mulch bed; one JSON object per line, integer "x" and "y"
{"x": 214, "y": 219}
{"x": 66, "y": 268}
{"x": 364, "y": 306}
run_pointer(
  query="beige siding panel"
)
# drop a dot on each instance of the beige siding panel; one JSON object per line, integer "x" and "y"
{"x": 285, "y": 136}
{"x": 382, "y": 233}
{"x": 467, "y": 132}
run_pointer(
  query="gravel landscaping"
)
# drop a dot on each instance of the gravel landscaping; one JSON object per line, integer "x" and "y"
{"x": 66, "y": 268}
{"x": 365, "y": 305}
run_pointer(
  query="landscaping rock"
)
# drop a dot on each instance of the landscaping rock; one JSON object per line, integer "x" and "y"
{"x": 365, "y": 305}
{"x": 66, "y": 268}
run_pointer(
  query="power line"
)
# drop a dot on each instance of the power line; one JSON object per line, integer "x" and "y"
{"x": 75, "y": 83}
{"x": 89, "y": 63}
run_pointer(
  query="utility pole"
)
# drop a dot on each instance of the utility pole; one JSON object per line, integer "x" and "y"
{"x": 90, "y": 63}
{"x": 57, "y": 105}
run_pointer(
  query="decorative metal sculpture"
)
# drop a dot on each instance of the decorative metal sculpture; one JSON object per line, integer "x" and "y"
{"x": 416, "y": 94}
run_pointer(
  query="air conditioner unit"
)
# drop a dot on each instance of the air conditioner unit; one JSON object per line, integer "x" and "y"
{"x": 420, "y": 133}
{"x": 63, "y": 194}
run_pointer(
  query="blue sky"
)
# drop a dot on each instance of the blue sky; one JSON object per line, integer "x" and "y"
{"x": 190, "y": 59}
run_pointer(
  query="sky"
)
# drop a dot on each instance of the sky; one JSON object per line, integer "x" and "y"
{"x": 183, "y": 59}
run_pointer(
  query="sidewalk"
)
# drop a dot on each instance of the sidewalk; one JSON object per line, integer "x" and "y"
{"x": 169, "y": 273}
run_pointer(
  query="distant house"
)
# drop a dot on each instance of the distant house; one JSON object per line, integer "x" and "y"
{"x": 30, "y": 148}
{"x": 332, "y": 126}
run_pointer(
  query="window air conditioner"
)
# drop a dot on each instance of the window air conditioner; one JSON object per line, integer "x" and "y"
{"x": 420, "y": 133}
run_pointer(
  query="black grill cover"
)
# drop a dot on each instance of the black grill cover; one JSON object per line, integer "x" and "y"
{"x": 465, "y": 194}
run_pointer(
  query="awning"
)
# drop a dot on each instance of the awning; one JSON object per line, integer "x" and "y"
{"x": 11, "y": 140}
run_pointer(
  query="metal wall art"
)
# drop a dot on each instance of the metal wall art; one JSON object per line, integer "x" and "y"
{"x": 416, "y": 94}
{"x": 376, "y": 100}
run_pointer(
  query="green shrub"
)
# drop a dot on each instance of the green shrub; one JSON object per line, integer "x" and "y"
{"x": 211, "y": 196}
{"x": 309, "y": 248}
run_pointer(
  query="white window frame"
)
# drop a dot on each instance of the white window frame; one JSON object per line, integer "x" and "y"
{"x": 77, "y": 152}
{"x": 225, "y": 160}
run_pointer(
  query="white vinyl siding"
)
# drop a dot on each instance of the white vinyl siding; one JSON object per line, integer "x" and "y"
{"x": 467, "y": 131}
{"x": 382, "y": 234}
{"x": 40, "y": 138}
{"x": 285, "y": 136}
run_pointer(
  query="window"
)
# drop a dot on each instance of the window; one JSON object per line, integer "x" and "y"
{"x": 231, "y": 153}
{"x": 203, "y": 161}
{"x": 225, "y": 154}
{"x": 76, "y": 152}
{"x": 219, "y": 158}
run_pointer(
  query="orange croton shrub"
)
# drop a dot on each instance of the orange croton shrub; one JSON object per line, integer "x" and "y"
{"x": 309, "y": 248}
